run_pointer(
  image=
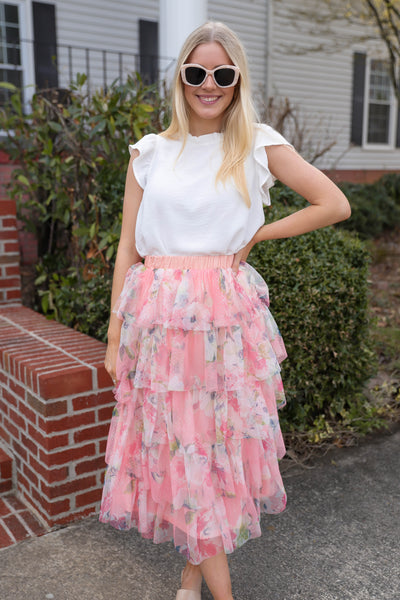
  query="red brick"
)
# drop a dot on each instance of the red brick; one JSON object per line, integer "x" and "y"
{"x": 7, "y": 207}
{"x": 17, "y": 389}
{"x": 85, "y": 402}
{"x": 16, "y": 527}
{"x": 20, "y": 450}
{"x": 5, "y": 486}
{"x": 17, "y": 419}
{"x": 35, "y": 501}
{"x": 103, "y": 378}
{"x": 3, "y": 378}
{"x": 9, "y": 222}
{"x": 51, "y": 508}
{"x": 27, "y": 412}
{"x": 74, "y": 516}
{"x": 91, "y": 497}
{"x": 11, "y": 247}
{"x": 47, "y": 409}
{"x": 4, "y": 510}
{"x": 10, "y": 428}
{"x": 29, "y": 444}
{"x": 5, "y": 539}
{"x": 102, "y": 446}
{"x": 15, "y": 502}
{"x": 50, "y": 475}
{"x": 48, "y": 442}
{"x": 65, "y": 382}
{"x": 88, "y": 466}
{"x": 76, "y": 485}
{"x": 12, "y": 270}
{"x": 5, "y": 465}
{"x": 34, "y": 525}
{"x": 9, "y": 283}
{"x": 69, "y": 422}
{"x": 68, "y": 455}
{"x": 23, "y": 483}
{"x": 91, "y": 433}
{"x": 104, "y": 414}
{"x": 13, "y": 294}
{"x": 11, "y": 399}
{"x": 8, "y": 234}
{"x": 4, "y": 435}
{"x": 4, "y": 407}
{"x": 30, "y": 475}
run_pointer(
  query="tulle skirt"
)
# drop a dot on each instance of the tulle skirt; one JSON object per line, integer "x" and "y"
{"x": 194, "y": 442}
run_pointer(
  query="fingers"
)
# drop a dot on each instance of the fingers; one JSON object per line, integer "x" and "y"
{"x": 111, "y": 371}
{"x": 235, "y": 264}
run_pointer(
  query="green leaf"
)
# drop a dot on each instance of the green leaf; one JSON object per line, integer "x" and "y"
{"x": 23, "y": 180}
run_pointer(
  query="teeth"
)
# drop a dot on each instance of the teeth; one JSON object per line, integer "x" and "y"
{"x": 209, "y": 99}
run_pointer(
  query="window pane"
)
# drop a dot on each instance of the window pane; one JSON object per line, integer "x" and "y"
{"x": 378, "y": 123}
{"x": 12, "y": 35}
{"x": 10, "y": 49}
{"x": 379, "y": 83}
{"x": 11, "y": 76}
{"x": 11, "y": 13}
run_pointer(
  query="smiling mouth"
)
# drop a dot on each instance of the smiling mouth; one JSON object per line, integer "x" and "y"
{"x": 208, "y": 99}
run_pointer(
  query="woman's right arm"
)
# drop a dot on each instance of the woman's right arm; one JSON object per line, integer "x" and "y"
{"x": 127, "y": 255}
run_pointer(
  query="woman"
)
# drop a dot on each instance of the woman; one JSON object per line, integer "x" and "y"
{"x": 194, "y": 441}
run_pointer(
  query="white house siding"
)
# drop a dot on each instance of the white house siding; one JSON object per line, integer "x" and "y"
{"x": 319, "y": 84}
{"x": 101, "y": 24}
{"x": 249, "y": 20}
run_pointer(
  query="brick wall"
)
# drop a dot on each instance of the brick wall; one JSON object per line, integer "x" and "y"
{"x": 10, "y": 279}
{"x": 357, "y": 175}
{"x": 55, "y": 409}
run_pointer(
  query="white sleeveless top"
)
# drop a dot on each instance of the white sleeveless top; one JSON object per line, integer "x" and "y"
{"x": 183, "y": 211}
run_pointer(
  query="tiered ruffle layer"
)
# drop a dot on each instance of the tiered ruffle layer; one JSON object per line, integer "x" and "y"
{"x": 194, "y": 438}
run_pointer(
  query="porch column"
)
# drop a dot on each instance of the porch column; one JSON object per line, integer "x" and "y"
{"x": 177, "y": 19}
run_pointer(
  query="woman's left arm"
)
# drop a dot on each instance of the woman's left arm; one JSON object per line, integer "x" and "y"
{"x": 328, "y": 204}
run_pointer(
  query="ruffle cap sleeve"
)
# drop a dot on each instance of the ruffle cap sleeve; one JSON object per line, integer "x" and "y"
{"x": 266, "y": 136}
{"x": 146, "y": 148}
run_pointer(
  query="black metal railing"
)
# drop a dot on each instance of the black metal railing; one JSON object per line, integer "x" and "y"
{"x": 56, "y": 65}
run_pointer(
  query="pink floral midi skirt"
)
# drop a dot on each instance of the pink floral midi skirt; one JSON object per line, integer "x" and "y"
{"x": 194, "y": 442}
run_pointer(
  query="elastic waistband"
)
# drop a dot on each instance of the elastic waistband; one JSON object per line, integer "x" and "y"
{"x": 189, "y": 262}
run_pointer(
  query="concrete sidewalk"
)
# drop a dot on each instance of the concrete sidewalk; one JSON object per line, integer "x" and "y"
{"x": 338, "y": 539}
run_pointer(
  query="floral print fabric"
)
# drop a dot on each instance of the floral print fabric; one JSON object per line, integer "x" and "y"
{"x": 194, "y": 441}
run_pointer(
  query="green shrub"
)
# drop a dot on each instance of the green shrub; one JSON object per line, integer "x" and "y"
{"x": 72, "y": 154}
{"x": 319, "y": 298}
{"x": 375, "y": 207}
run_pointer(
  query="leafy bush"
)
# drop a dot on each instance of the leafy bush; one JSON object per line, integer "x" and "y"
{"x": 72, "y": 152}
{"x": 319, "y": 297}
{"x": 375, "y": 207}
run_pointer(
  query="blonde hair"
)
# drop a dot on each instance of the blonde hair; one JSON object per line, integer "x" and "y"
{"x": 239, "y": 117}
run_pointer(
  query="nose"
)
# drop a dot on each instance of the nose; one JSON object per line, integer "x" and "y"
{"x": 209, "y": 82}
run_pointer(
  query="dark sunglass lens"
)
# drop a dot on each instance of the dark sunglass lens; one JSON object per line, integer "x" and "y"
{"x": 195, "y": 75}
{"x": 224, "y": 77}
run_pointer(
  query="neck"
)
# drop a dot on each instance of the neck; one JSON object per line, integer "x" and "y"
{"x": 202, "y": 127}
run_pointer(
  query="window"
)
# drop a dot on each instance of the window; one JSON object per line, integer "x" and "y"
{"x": 380, "y": 104}
{"x": 11, "y": 70}
{"x": 376, "y": 113}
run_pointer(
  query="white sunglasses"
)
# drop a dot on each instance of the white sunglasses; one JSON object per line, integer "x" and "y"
{"x": 224, "y": 76}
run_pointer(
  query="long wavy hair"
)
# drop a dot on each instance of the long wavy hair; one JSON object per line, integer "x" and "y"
{"x": 239, "y": 117}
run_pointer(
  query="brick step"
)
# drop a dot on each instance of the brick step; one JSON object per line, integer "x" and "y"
{"x": 17, "y": 522}
{"x": 6, "y": 483}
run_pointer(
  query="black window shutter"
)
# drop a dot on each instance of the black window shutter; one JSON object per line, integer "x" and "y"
{"x": 45, "y": 36}
{"x": 148, "y": 48}
{"x": 359, "y": 63}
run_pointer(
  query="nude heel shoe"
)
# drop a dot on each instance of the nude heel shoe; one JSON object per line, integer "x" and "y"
{"x": 187, "y": 594}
